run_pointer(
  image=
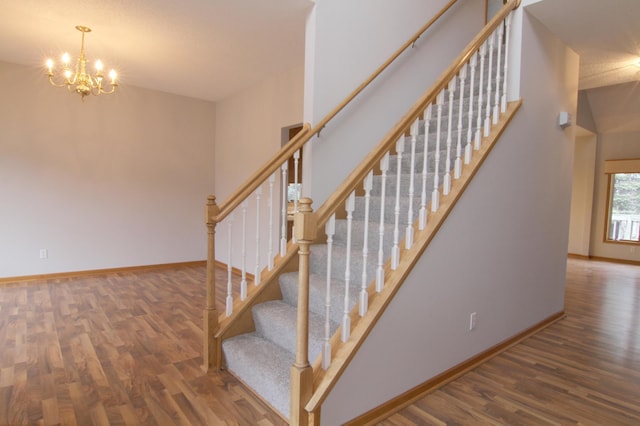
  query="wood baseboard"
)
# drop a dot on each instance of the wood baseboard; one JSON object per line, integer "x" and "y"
{"x": 89, "y": 272}
{"x": 578, "y": 256}
{"x": 412, "y": 395}
{"x": 235, "y": 271}
{"x": 604, "y": 259}
{"x": 74, "y": 274}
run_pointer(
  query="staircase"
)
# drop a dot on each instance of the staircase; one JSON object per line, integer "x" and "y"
{"x": 405, "y": 178}
{"x": 262, "y": 359}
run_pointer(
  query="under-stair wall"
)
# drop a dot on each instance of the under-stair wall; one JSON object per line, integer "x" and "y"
{"x": 501, "y": 252}
{"x": 346, "y": 41}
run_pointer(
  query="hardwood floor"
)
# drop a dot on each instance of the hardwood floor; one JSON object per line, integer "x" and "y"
{"x": 121, "y": 348}
{"x": 125, "y": 348}
{"x": 584, "y": 369}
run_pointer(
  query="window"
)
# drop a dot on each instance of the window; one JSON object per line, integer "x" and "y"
{"x": 623, "y": 204}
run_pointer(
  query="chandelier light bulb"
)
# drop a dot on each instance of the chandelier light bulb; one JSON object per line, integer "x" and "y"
{"x": 77, "y": 79}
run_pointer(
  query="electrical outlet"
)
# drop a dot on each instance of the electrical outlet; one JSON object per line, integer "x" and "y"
{"x": 473, "y": 318}
{"x": 44, "y": 253}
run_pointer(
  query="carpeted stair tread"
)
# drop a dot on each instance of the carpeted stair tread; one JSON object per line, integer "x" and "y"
{"x": 276, "y": 321}
{"x": 318, "y": 262}
{"x": 357, "y": 235}
{"x": 317, "y": 293}
{"x": 262, "y": 365}
{"x": 375, "y": 203}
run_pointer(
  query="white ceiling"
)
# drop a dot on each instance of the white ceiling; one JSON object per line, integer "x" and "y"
{"x": 204, "y": 49}
{"x": 210, "y": 49}
{"x": 605, "y": 33}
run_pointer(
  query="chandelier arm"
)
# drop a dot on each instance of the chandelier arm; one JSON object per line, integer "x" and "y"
{"x": 108, "y": 92}
{"x": 53, "y": 83}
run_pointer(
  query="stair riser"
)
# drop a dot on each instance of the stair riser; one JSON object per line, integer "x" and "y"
{"x": 317, "y": 294}
{"x": 357, "y": 236}
{"x": 276, "y": 321}
{"x": 318, "y": 264}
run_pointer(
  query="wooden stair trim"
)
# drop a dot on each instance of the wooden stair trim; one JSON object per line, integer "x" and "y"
{"x": 418, "y": 392}
{"x": 342, "y": 353}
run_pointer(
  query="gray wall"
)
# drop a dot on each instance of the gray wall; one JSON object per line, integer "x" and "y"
{"x": 613, "y": 113}
{"x": 346, "y": 42}
{"x": 113, "y": 181}
{"x": 582, "y": 193}
{"x": 501, "y": 253}
{"x": 248, "y": 133}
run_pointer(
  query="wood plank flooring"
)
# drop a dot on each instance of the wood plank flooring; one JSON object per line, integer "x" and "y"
{"x": 125, "y": 348}
{"x": 584, "y": 369}
{"x": 120, "y": 348}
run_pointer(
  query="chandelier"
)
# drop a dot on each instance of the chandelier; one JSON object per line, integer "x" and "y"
{"x": 79, "y": 80}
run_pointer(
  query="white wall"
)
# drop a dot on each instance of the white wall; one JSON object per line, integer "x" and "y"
{"x": 348, "y": 42}
{"x": 582, "y": 193}
{"x": 611, "y": 146}
{"x": 248, "y": 134}
{"x": 112, "y": 181}
{"x": 493, "y": 6}
{"x": 616, "y": 115}
{"x": 249, "y": 123}
{"x": 501, "y": 252}
{"x": 584, "y": 118}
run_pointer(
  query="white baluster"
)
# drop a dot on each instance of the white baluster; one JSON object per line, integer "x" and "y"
{"x": 229, "y": 301}
{"x": 395, "y": 251}
{"x": 458, "y": 163}
{"x": 346, "y": 320}
{"x": 330, "y": 230}
{"x": 243, "y": 283}
{"x": 283, "y": 214}
{"x": 503, "y": 101}
{"x": 487, "y": 119}
{"x": 257, "y": 275}
{"x": 408, "y": 239}
{"x": 496, "y": 102}
{"x": 364, "y": 296}
{"x": 435, "y": 196}
{"x": 296, "y": 197}
{"x": 468, "y": 148}
{"x": 272, "y": 180}
{"x": 478, "y": 140}
{"x": 384, "y": 167}
{"x": 447, "y": 175}
{"x": 423, "y": 199}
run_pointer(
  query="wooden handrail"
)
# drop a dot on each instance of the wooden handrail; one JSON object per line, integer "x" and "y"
{"x": 307, "y": 132}
{"x": 376, "y": 154}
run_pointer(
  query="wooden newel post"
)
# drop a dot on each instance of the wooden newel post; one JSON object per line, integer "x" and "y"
{"x": 210, "y": 354}
{"x": 305, "y": 229}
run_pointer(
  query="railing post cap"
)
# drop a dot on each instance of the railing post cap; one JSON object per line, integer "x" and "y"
{"x": 304, "y": 205}
{"x": 305, "y": 222}
{"x": 211, "y": 210}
